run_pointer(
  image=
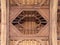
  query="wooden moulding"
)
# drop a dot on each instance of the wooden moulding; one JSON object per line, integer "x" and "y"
{"x": 4, "y": 22}
{"x": 53, "y": 22}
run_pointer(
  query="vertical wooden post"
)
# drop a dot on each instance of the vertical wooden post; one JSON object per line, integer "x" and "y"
{"x": 4, "y": 22}
{"x": 53, "y": 22}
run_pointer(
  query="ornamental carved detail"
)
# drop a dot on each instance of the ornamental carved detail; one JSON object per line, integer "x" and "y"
{"x": 29, "y": 2}
{"x": 29, "y": 22}
{"x": 29, "y": 42}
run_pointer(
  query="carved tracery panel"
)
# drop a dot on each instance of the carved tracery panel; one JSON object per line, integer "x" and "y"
{"x": 29, "y": 22}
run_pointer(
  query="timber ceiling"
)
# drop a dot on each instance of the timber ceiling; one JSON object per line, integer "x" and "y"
{"x": 43, "y": 2}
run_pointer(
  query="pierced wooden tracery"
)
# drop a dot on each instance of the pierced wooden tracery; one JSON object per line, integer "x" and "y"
{"x": 29, "y": 22}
